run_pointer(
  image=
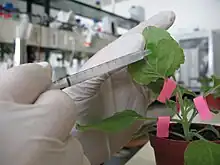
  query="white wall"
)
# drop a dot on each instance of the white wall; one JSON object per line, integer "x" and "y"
{"x": 203, "y": 14}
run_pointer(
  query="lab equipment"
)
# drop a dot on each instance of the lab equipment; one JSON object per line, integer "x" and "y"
{"x": 88, "y": 37}
{"x": 20, "y": 56}
{"x": 99, "y": 69}
{"x": 98, "y": 4}
{"x": 63, "y": 17}
{"x": 137, "y": 13}
{"x": 109, "y": 25}
{"x": 22, "y": 33}
{"x": 201, "y": 49}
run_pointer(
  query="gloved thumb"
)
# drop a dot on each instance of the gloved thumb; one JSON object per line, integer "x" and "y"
{"x": 23, "y": 84}
{"x": 57, "y": 117}
{"x": 58, "y": 114}
{"x": 68, "y": 153}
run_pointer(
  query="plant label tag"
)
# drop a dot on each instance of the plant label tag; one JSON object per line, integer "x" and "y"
{"x": 202, "y": 107}
{"x": 168, "y": 88}
{"x": 163, "y": 124}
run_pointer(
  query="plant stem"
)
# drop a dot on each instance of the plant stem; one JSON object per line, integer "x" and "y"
{"x": 211, "y": 91}
{"x": 184, "y": 119}
{"x": 193, "y": 116}
{"x": 186, "y": 126}
{"x": 178, "y": 115}
{"x": 185, "y": 123}
{"x": 177, "y": 134}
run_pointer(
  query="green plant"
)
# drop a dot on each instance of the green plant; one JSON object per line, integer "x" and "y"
{"x": 153, "y": 72}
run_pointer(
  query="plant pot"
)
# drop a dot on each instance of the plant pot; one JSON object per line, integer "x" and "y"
{"x": 213, "y": 102}
{"x": 170, "y": 151}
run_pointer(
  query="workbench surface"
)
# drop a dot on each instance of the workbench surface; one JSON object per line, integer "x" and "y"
{"x": 145, "y": 156}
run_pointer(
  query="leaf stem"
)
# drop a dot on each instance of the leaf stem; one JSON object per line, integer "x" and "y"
{"x": 177, "y": 134}
{"x": 211, "y": 90}
{"x": 178, "y": 115}
{"x": 185, "y": 123}
{"x": 193, "y": 116}
{"x": 194, "y": 134}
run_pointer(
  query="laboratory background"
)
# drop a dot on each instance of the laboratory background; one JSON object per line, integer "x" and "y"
{"x": 66, "y": 33}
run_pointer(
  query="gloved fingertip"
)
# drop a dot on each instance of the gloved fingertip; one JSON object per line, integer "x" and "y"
{"x": 60, "y": 111}
{"x": 43, "y": 64}
{"x": 172, "y": 16}
{"x": 24, "y": 83}
{"x": 164, "y": 20}
{"x": 134, "y": 41}
{"x": 47, "y": 67}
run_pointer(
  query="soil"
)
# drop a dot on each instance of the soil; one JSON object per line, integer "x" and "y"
{"x": 207, "y": 134}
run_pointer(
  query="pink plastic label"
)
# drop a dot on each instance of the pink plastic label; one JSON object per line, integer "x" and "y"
{"x": 202, "y": 107}
{"x": 163, "y": 125}
{"x": 168, "y": 88}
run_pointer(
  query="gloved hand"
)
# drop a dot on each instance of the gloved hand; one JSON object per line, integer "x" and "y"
{"x": 35, "y": 123}
{"x": 101, "y": 97}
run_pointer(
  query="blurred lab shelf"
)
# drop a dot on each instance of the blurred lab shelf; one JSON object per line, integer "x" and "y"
{"x": 201, "y": 49}
{"x": 88, "y": 11}
{"x": 51, "y": 38}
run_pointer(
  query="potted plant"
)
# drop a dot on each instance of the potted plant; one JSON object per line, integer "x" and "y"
{"x": 176, "y": 141}
{"x": 213, "y": 100}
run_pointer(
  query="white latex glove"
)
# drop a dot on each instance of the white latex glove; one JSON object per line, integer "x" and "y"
{"x": 103, "y": 96}
{"x": 35, "y": 123}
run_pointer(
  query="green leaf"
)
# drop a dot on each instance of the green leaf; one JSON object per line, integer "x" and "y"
{"x": 202, "y": 153}
{"x": 142, "y": 73}
{"x": 156, "y": 87}
{"x": 215, "y": 87}
{"x": 205, "y": 83}
{"x": 216, "y": 84}
{"x": 215, "y": 111}
{"x": 216, "y": 80}
{"x": 165, "y": 58}
{"x": 171, "y": 105}
{"x": 186, "y": 91}
{"x": 183, "y": 91}
{"x": 188, "y": 103}
{"x": 115, "y": 123}
{"x": 153, "y": 35}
